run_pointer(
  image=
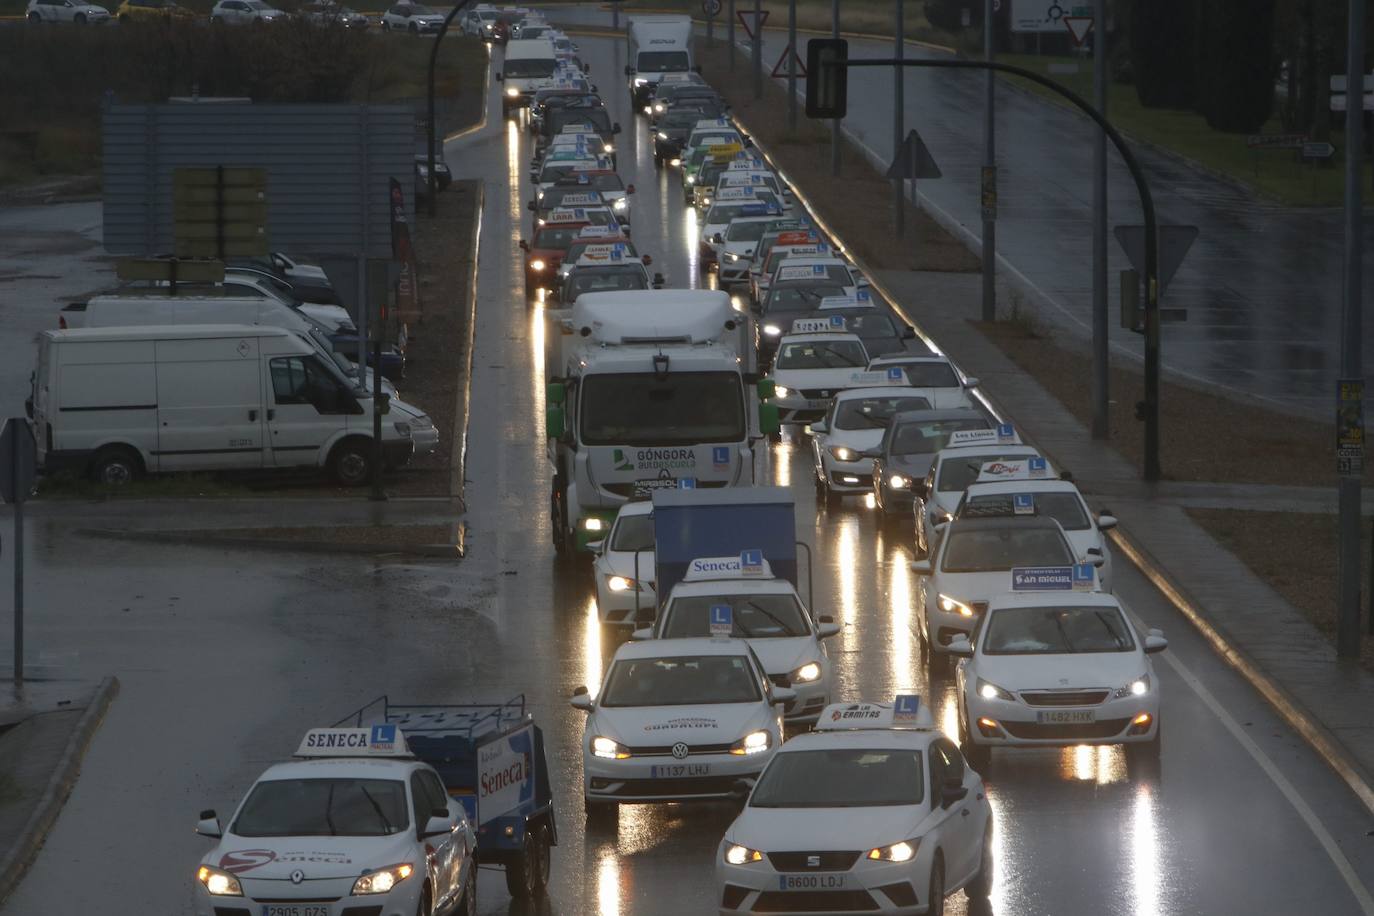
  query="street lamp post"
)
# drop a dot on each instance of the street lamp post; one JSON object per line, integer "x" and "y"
{"x": 433, "y": 61}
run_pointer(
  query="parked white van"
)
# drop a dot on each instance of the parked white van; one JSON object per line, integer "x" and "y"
{"x": 120, "y": 402}
{"x": 528, "y": 66}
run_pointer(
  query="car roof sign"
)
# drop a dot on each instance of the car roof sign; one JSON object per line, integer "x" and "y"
{"x": 382, "y": 740}
{"x": 704, "y": 569}
{"x": 905, "y": 712}
{"x": 1079, "y": 577}
{"x": 1030, "y": 468}
{"x": 879, "y": 378}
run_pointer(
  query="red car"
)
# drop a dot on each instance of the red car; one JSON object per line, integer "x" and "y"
{"x": 545, "y": 252}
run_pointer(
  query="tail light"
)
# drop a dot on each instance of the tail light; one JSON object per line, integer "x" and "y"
{"x": 62, "y": 322}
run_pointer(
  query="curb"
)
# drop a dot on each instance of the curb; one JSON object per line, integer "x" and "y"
{"x": 278, "y": 545}
{"x": 463, "y": 409}
{"x": 20, "y": 855}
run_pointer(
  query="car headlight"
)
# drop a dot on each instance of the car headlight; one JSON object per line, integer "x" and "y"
{"x": 840, "y": 453}
{"x": 592, "y": 523}
{"x": 219, "y": 883}
{"x": 608, "y": 148}
{"x": 990, "y": 691}
{"x": 620, "y": 204}
{"x": 674, "y": 162}
{"x": 897, "y": 852}
{"x": 772, "y": 330}
{"x": 512, "y": 92}
{"x": 608, "y": 749}
{"x": 658, "y": 107}
{"x": 736, "y": 854}
{"x": 731, "y": 257}
{"x": 662, "y": 135}
{"x": 640, "y": 82}
{"x": 403, "y": 430}
{"x": 1138, "y": 687}
{"x": 806, "y": 674}
{"x": 621, "y": 584}
{"x": 752, "y": 743}
{"x": 537, "y": 264}
{"x": 898, "y": 482}
{"x": 382, "y": 880}
{"x": 782, "y": 391}
{"x": 691, "y": 179}
{"x": 952, "y": 605}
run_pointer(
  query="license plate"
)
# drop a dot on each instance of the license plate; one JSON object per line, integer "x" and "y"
{"x": 295, "y": 909}
{"x": 678, "y": 770}
{"x": 831, "y": 881}
{"x": 1065, "y": 716}
{"x": 818, "y": 403}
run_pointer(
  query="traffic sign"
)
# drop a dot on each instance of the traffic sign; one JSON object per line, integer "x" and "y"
{"x": 1079, "y": 27}
{"x": 1275, "y": 141}
{"x": 170, "y": 270}
{"x": 1318, "y": 151}
{"x": 780, "y": 68}
{"x": 18, "y": 460}
{"x": 1350, "y": 427}
{"x": 827, "y": 87}
{"x": 219, "y": 212}
{"x": 746, "y": 19}
{"x": 913, "y": 160}
{"x": 1174, "y": 242}
{"x": 1045, "y": 15}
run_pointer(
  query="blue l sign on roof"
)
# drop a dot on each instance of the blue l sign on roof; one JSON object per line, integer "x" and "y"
{"x": 905, "y": 707}
{"x": 1037, "y": 467}
{"x": 1005, "y": 432}
{"x": 837, "y": 322}
{"x": 722, "y": 619}
{"x": 895, "y": 374}
{"x": 1083, "y": 577}
{"x": 383, "y": 736}
{"x": 1022, "y": 504}
{"x": 751, "y": 562}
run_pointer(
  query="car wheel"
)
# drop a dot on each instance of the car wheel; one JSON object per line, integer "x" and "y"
{"x": 978, "y": 756}
{"x": 351, "y": 462}
{"x": 423, "y": 907}
{"x": 468, "y": 905}
{"x": 79, "y": 19}
{"x": 936, "y": 897}
{"x": 832, "y": 499}
{"x": 414, "y": 29}
{"x": 35, "y": 19}
{"x": 521, "y": 871}
{"x": 116, "y": 466}
{"x": 980, "y": 888}
{"x": 558, "y": 519}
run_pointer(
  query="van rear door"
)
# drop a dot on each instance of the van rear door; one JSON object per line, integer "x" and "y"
{"x": 209, "y": 397}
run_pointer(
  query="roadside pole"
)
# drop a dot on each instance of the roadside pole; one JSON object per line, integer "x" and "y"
{"x": 18, "y": 460}
{"x": 378, "y": 461}
{"x": 730, "y": 34}
{"x": 792, "y": 66}
{"x": 710, "y": 24}
{"x": 1101, "y": 379}
{"x": 835, "y": 122}
{"x": 1352, "y": 365}
{"x": 758, "y": 49}
{"x": 615, "y": 14}
{"x": 898, "y": 110}
{"x": 990, "y": 169}
{"x": 430, "y": 128}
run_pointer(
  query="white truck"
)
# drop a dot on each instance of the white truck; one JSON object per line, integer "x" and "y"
{"x": 647, "y": 390}
{"x": 658, "y": 45}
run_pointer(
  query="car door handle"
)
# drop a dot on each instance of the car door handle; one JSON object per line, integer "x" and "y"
{"x": 965, "y": 812}
{"x": 252, "y": 415}
{"x": 271, "y": 413}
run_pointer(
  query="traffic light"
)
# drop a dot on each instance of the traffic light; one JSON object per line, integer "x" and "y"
{"x": 827, "y": 79}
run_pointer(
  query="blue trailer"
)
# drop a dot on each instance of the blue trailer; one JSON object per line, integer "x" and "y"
{"x": 491, "y": 758}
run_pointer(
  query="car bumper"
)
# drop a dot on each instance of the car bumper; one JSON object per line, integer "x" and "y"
{"x": 847, "y": 476}
{"x": 811, "y": 699}
{"x": 734, "y": 271}
{"x": 866, "y": 887}
{"x": 1015, "y": 724}
{"x": 801, "y": 410}
{"x": 619, "y": 609}
{"x": 893, "y": 500}
{"x": 942, "y": 626}
{"x": 403, "y": 900}
{"x": 637, "y": 780}
{"x": 425, "y": 440}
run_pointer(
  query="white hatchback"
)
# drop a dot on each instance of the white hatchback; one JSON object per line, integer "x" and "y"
{"x": 624, "y": 567}
{"x": 246, "y": 12}
{"x": 853, "y": 425}
{"x": 812, "y": 366}
{"x": 76, "y": 12}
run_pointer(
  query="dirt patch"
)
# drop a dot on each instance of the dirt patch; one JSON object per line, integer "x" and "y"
{"x": 860, "y": 206}
{"x": 1202, "y": 436}
{"x": 398, "y": 536}
{"x": 1264, "y": 541}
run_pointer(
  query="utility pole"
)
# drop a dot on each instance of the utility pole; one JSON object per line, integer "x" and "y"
{"x": 758, "y": 49}
{"x": 792, "y": 66}
{"x": 1352, "y": 368}
{"x": 730, "y": 34}
{"x": 1101, "y": 379}
{"x": 898, "y": 110}
{"x": 835, "y": 122}
{"x": 989, "y": 173}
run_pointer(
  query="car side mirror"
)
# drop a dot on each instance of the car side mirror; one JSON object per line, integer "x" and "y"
{"x": 908, "y": 333}
{"x": 439, "y": 823}
{"x": 500, "y": 77}
{"x": 1106, "y": 522}
{"x": 960, "y": 646}
{"x": 597, "y": 547}
{"x": 615, "y": 128}
{"x": 819, "y": 427}
{"x": 581, "y": 700}
{"x": 1066, "y": 475}
{"x": 971, "y": 382}
{"x": 921, "y": 567}
{"x": 647, "y": 260}
{"x": 524, "y": 245}
{"x": 718, "y": 239}
{"x": 629, "y": 71}
{"x": 659, "y": 281}
{"x": 629, "y": 189}
{"x": 767, "y": 389}
{"x": 643, "y": 633}
{"x": 740, "y": 789}
{"x": 1155, "y": 642}
{"x": 1095, "y": 557}
{"x": 827, "y": 630}
{"x": 783, "y": 695}
{"x": 208, "y": 825}
{"x": 952, "y": 791}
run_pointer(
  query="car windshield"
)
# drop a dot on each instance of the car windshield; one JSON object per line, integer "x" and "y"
{"x": 821, "y": 354}
{"x": 684, "y": 680}
{"x": 926, "y": 437}
{"x": 722, "y": 213}
{"x": 958, "y": 471}
{"x": 925, "y": 373}
{"x": 874, "y": 412}
{"x": 871, "y": 326}
{"x": 606, "y": 279}
{"x": 1056, "y": 631}
{"x": 596, "y": 119}
{"x": 746, "y": 231}
{"x": 662, "y": 62}
{"x": 679, "y": 408}
{"x": 993, "y": 549}
{"x": 841, "y": 778}
{"x": 803, "y": 298}
{"x": 633, "y": 532}
{"x": 555, "y": 238}
{"x": 323, "y": 807}
{"x": 755, "y": 616}
{"x": 1065, "y": 507}
{"x": 529, "y": 67}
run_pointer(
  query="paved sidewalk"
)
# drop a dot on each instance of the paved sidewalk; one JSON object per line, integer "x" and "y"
{"x": 1334, "y": 696}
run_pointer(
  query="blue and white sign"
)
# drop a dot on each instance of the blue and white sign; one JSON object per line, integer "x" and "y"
{"x": 720, "y": 457}
{"x": 1042, "y": 578}
{"x": 1037, "y": 467}
{"x": 383, "y": 737}
{"x": 384, "y": 740}
{"x": 1022, "y": 504}
{"x": 861, "y": 295}
{"x": 837, "y": 322}
{"x": 818, "y": 270}
{"x": 751, "y": 562}
{"x": 505, "y": 775}
{"x": 686, "y": 483}
{"x": 722, "y": 619}
{"x": 905, "y": 708}
{"x": 895, "y": 374}
{"x": 583, "y": 179}
{"x": 1084, "y": 577}
{"x": 1006, "y": 432}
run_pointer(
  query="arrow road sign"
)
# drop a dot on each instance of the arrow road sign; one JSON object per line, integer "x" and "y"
{"x": 913, "y": 160}
{"x": 746, "y": 19}
{"x": 1079, "y": 27}
{"x": 1174, "y": 242}
{"x": 1318, "y": 150}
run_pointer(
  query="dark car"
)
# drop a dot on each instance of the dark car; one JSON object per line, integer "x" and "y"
{"x": 671, "y": 132}
{"x": 875, "y": 326}
{"x": 784, "y": 304}
{"x": 910, "y": 444}
{"x": 595, "y": 120}
{"x": 318, "y": 292}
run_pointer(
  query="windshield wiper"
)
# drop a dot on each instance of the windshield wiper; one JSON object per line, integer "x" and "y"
{"x": 386, "y": 824}
{"x": 1059, "y": 625}
{"x": 1116, "y": 637}
{"x": 773, "y": 617}
{"x": 328, "y": 804}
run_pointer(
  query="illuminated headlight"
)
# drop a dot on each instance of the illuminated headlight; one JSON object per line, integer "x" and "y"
{"x": 403, "y": 430}
{"x": 772, "y": 330}
{"x": 620, "y": 204}
{"x": 806, "y": 674}
{"x": 781, "y": 391}
{"x": 593, "y": 523}
{"x": 706, "y": 201}
{"x": 954, "y": 605}
{"x": 607, "y": 749}
{"x": 674, "y": 162}
{"x": 621, "y": 584}
{"x": 219, "y": 883}
{"x": 731, "y": 257}
{"x": 640, "y": 82}
{"x": 898, "y": 482}
{"x": 752, "y": 743}
{"x": 840, "y": 453}
{"x": 741, "y": 855}
{"x": 990, "y": 691}
{"x": 1136, "y": 688}
{"x": 658, "y": 107}
{"x": 691, "y": 179}
{"x": 512, "y": 92}
{"x": 608, "y": 147}
{"x": 537, "y": 264}
{"x": 897, "y": 852}
{"x": 382, "y": 880}
{"x": 662, "y": 135}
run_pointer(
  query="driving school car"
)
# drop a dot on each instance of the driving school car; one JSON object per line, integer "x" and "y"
{"x": 812, "y": 365}
{"x": 854, "y": 424}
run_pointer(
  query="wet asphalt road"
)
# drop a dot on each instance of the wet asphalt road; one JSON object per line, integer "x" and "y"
{"x": 226, "y": 658}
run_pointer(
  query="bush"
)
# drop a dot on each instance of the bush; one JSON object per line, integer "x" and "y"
{"x": 1163, "y": 59}
{"x": 949, "y": 14}
{"x": 1238, "y": 66}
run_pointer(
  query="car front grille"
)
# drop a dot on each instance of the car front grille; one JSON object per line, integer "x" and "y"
{"x": 684, "y": 786}
{"x": 1063, "y": 697}
{"x": 627, "y": 490}
{"x": 666, "y": 750}
{"x": 815, "y": 902}
{"x": 800, "y": 861}
{"x": 1065, "y": 731}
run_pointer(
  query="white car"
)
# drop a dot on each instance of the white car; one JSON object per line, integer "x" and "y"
{"x": 73, "y": 11}
{"x": 1057, "y": 499}
{"x": 957, "y": 465}
{"x": 874, "y": 812}
{"x": 480, "y": 21}
{"x": 356, "y": 820}
{"x": 1048, "y": 669}
{"x": 768, "y": 614}
{"x": 732, "y": 204}
{"x": 819, "y": 268}
{"x": 334, "y": 317}
{"x": 678, "y": 720}
{"x": 246, "y": 12}
{"x": 930, "y": 370}
{"x": 414, "y": 18}
{"x": 741, "y": 237}
{"x": 765, "y": 263}
{"x": 624, "y": 567}
{"x": 853, "y": 425}
{"x": 812, "y": 365}
{"x": 970, "y": 567}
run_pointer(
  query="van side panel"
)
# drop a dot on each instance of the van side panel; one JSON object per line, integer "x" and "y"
{"x": 100, "y": 393}
{"x": 210, "y": 408}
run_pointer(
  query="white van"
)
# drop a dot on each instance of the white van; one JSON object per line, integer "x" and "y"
{"x": 529, "y": 66}
{"x": 120, "y": 402}
{"x": 658, "y": 45}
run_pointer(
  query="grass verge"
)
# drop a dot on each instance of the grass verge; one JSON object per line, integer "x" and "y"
{"x": 1264, "y": 541}
{"x": 397, "y": 536}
